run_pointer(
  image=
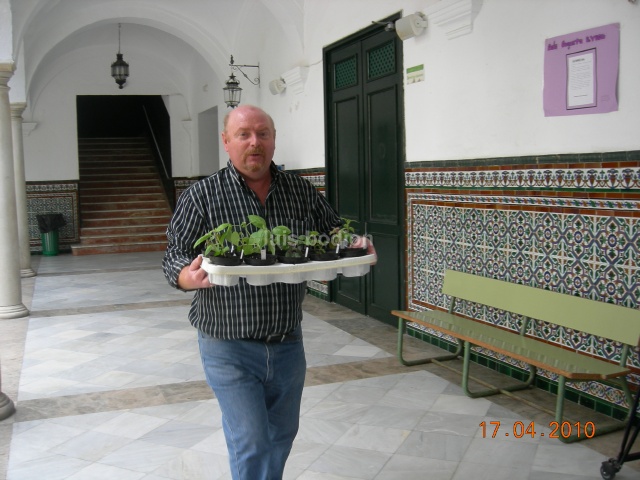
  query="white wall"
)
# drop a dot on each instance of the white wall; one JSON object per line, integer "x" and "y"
{"x": 208, "y": 141}
{"x": 6, "y": 46}
{"x": 482, "y": 94}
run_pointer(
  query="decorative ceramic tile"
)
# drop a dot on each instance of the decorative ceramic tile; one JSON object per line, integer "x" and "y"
{"x": 53, "y": 198}
{"x": 547, "y": 178}
{"x": 585, "y": 245}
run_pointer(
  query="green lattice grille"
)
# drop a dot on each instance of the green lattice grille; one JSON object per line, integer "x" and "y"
{"x": 346, "y": 73}
{"x": 382, "y": 60}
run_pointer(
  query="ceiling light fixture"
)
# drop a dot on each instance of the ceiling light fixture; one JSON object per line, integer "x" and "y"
{"x": 119, "y": 68}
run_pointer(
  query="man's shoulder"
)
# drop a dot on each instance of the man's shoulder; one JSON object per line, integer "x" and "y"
{"x": 206, "y": 185}
{"x": 295, "y": 178}
{"x": 213, "y": 178}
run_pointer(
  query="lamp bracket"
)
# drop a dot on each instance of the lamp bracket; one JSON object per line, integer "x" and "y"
{"x": 255, "y": 81}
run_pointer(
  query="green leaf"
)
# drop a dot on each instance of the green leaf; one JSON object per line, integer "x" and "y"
{"x": 257, "y": 221}
{"x": 281, "y": 230}
{"x": 234, "y": 238}
{"x": 203, "y": 239}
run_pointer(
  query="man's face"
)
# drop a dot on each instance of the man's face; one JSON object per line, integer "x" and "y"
{"x": 250, "y": 141}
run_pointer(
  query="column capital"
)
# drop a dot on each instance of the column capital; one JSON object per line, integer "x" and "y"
{"x": 17, "y": 109}
{"x": 6, "y": 72}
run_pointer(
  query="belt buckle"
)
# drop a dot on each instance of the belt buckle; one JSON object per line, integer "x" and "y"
{"x": 276, "y": 338}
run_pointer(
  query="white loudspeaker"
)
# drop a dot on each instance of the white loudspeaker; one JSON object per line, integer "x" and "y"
{"x": 277, "y": 86}
{"x": 410, "y": 26}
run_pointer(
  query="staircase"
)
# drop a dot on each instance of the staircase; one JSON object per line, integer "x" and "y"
{"x": 123, "y": 206}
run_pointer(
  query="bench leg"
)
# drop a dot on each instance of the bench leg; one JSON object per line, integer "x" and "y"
{"x": 601, "y": 429}
{"x": 494, "y": 390}
{"x": 402, "y": 325}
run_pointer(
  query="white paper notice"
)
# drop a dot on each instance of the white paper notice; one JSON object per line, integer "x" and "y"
{"x": 581, "y": 79}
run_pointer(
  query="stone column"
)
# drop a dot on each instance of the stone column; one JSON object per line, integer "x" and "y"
{"x": 7, "y": 408}
{"x": 10, "y": 281}
{"x": 21, "y": 190}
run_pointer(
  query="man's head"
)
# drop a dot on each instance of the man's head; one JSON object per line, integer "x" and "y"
{"x": 249, "y": 137}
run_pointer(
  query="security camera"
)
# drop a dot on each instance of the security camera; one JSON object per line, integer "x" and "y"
{"x": 277, "y": 86}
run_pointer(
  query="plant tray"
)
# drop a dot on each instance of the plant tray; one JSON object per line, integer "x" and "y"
{"x": 288, "y": 273}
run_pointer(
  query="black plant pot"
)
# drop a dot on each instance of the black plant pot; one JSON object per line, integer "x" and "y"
{"x": 292, "y": 260}
{"x": 352, "y": 252}
{"x": 226, "y": 260}
{"x": 256, "y": 260}
{"x": 324, "y": 257}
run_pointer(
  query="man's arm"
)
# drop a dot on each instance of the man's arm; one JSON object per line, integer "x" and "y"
{"x": 181, "y": 263}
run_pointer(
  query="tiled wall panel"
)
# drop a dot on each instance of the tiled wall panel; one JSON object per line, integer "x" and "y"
{"x": 45, "y": 198}
{"x": 569, "y": 226}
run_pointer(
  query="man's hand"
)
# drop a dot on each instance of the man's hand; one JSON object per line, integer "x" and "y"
{"x": 362, "y": 242}
{"x": 193, "y": 277}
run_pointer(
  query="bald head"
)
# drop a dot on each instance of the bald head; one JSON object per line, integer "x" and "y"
{"x": 243, "y": 109}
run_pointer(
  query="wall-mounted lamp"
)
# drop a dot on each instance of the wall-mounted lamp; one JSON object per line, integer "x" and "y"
{"x": 411, "y": 25}
{"x": 119, "y": 68}
{"x": 232, "y": 90}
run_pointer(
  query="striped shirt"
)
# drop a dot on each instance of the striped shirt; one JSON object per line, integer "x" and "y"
{"x": 243, "y": 310}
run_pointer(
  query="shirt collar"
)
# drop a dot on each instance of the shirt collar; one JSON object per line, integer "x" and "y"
{"x": 275, "y": 173}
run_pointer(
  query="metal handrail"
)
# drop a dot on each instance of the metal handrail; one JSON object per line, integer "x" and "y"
{"x": 153, "y": 136}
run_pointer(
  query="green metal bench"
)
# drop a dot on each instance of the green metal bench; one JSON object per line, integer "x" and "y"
{"x": 592, "y": 317}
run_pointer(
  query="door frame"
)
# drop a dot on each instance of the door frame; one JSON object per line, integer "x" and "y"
{"x": 359, "y": 37}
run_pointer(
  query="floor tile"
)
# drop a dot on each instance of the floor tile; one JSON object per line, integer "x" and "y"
{"x": 108, "y": 383}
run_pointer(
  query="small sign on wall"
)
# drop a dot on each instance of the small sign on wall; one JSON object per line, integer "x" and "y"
{"x": 415, "y": 74}
{"x": 581, "y": 72}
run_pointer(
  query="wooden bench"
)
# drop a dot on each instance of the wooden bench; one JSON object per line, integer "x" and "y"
{"x": 600, "y": 319}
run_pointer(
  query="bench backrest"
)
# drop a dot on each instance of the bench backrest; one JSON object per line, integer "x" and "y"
{"x": 602, "y": 319}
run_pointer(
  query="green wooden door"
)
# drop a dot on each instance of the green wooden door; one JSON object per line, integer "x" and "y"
{"x": 365, "y": 157}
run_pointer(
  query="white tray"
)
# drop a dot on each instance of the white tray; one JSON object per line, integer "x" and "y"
{"x": 288, "y": 273}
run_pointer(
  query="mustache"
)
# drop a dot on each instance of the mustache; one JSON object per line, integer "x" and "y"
{"x": 254, "y": 151}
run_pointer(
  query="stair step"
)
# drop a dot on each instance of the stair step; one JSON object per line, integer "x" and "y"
{"x": 84, "y": 152}
{"x": 83, "y": 140}
{"x": 87, "y": 192}
{"x": 108, "y": 183}
{"x": 87, "y": 207}
{"x": 161, "y": 219}
{"x": 122, "y": 239}
{"x": 123, "y": 207}
{"x": 116, "y": 163}
{"x": 117, "y": 171}
{"x": 125, "y": 196}
{"x": 112, "y": 161}
{"x": 116, "y": 177}
{"x": 118, "y": 248}
{"x": 125, "y": 213}
{"x": 110, "y": 231}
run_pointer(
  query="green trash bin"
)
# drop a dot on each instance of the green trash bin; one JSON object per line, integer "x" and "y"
{"x": 50, "y": 245}
{"x": 48, "y": 225}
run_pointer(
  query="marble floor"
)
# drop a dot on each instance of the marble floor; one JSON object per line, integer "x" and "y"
{"x": 107, "y": 382}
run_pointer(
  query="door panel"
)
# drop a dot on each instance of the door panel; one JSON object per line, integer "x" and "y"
{"x": 365, "y": 164}
{"x": 385, "y": 287}
{"x": 383, "y": 175}
{"x": 347, "y": 147}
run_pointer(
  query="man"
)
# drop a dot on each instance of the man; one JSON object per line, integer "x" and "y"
{"x": 250, "y": 338}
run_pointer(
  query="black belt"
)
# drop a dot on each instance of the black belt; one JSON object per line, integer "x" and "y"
{"x": 278, "y": 338}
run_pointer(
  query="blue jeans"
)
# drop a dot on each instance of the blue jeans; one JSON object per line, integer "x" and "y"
{"x": 259, "y": 388}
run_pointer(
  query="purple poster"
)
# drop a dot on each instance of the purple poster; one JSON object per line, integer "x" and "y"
{"x": 581, "y": 72}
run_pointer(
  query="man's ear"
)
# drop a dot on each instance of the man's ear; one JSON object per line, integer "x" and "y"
{"x": 224, "y": 141}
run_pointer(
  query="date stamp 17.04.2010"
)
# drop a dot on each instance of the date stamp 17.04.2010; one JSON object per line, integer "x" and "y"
{"x": 495, "y": 429}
